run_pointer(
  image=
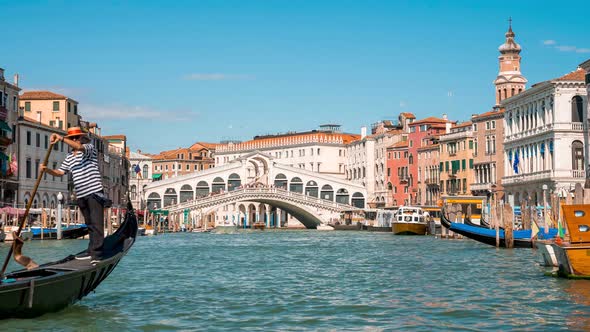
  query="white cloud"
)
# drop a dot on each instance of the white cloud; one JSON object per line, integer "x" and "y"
{"x": 402, "y": 104}
{"x": 215, "y": 77}
{"x": 565, "y": 48}
{"x": 122, "y": 112}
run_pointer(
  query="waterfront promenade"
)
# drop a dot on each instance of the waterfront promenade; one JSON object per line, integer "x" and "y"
{"x": 310, "y": 280}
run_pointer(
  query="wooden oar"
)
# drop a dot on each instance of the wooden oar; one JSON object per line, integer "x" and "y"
{"x": 24, "y": 259}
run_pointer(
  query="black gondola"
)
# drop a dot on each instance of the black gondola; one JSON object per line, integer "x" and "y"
{"x": 53, "y": 286}
{"x": 522, "y": 238}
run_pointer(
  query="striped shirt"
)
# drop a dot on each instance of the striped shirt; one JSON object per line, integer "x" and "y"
{"x": 84, "y": 169}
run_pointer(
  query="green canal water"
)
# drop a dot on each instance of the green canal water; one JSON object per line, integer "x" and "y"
{"x": 310, "y": 280}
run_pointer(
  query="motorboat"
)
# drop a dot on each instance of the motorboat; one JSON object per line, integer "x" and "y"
{"x": 409, "y": 220}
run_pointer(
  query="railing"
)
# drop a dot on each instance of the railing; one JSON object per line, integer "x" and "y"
{"x": 254, "y": 193}
{"x": 480, "y": 186}
{"x": 544, "y": 175}
{"x": 452, "y": 136}
{"x": 558, "y": 126}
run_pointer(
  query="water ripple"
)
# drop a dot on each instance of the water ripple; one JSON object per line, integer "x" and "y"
{"x": 309, "y": 280}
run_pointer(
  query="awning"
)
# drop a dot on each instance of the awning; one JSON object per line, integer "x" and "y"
{"x": 161, "y": 212}
{"x": 5, "y": 126}
{"x": 157, "y": 176}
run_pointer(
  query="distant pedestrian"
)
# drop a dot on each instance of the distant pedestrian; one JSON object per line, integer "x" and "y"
{"x": 82, "y": 162}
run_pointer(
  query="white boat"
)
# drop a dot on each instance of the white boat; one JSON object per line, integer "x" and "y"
{"x": 409, "y": 220}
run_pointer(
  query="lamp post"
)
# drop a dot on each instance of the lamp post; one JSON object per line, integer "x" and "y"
{"x": 60, "y": 200}
{"x": 545, "y": 228}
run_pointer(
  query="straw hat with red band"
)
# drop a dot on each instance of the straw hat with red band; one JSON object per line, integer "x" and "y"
{"x": 75, "y": 132}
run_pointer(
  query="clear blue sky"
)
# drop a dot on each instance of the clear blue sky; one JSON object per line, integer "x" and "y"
{"x": 171, "y": 73}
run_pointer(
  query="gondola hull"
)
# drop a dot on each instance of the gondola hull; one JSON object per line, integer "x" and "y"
{"x": 54, "y": 286}
{"x": 522, "y": 238}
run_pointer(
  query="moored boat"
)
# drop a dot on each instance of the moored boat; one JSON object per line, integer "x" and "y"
{"x": 53, "y": 286}
{"x": 73, "y": 231}
{"x": 573, "y": 258}
{"x": 409, "y": 221}
{"x": 259, "y": 225}
{"x": 522, "y": 238}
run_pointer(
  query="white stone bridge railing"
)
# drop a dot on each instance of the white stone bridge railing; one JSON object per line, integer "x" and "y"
{"x": 265, "y": 193}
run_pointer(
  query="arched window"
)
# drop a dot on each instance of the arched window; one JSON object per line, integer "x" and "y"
{"x": 577, "y": 156}
{"x": 234, "y": 181}
{"x": 145, "y": 173}
{"x": 358, "y": 200}
{"x": 327, "y": 193}
{"x": 342, "y": 196}
{"x": 154, "y": 201}
{"x": 311, "y": 189}
{"x": 218, "y": 185}
{"x": 133, "y": 192}
{"x": 296, "y": 185}
{"x": 281, "y": 181}
{"x": 133, "y": 174}
{"x": 202, "y": 189}
{"x": 186, "y": 193}
{"x": 170, "y": 197}
{"x": 577, "y": 109}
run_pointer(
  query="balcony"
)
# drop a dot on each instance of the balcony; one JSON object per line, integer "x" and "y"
{"x": 481, "y": 187}
{"x": 456, "y": 136}
{"x": 544, "y": 175}
{"x": 573, "y": 127}
{"x": 403, "y": 180}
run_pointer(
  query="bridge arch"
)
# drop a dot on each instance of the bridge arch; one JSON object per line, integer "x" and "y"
{"x": 202, "y": 189}
{"x": 186, "y": 193}
{"x": 296, "y": 185}
{"x": 327, "y": 192}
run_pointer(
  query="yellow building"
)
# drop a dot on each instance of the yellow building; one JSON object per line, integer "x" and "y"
{"x": 456, "y": 160}
{"x": 50, "y": 109}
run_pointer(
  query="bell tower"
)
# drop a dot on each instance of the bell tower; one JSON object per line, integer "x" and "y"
{"x": 509, "y": 81}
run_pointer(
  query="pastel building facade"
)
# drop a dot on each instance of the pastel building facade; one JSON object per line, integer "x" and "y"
{"x": 140, "y": 173}
{"x": 545, "y": 134}
{"x": 50, "y": 108}
{"x": 8, "y": 149}
{"x": 456, "y": 160}
{"x": 488, "y": 156}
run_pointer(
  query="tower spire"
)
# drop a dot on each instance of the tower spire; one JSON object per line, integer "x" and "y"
{"x": 509, "y": 81}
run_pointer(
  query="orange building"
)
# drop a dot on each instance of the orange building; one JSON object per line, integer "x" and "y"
{"x": 181, "y": 161}
{"x": 456, "y": 160}
{"x": 50, "y": 109}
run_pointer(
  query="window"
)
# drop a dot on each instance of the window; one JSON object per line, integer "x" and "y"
{"x": 27, "y": 106}
{"x": 578, "y": 155}
{"x": 464, "y": 185}
{"x": 38, "y": 140}
{"x": 75, "y": 109}
{"x": 475, "y": 127}
{"x": 46, "y": 141}
{"x": 487, "y": 125}
{"x": 69, "y": 107}
{"x": 463, "y": 162}
{"x": 28, "y": 137}
{"x": 56, "y": 106}
{"x": 493, "y": 124}
{"x": 37, "y": 162}
{"x": 470, "y": 145}
{"x": 28, "y": 168}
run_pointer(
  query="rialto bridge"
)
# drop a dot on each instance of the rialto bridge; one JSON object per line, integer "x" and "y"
{"x": 256, "y": 188}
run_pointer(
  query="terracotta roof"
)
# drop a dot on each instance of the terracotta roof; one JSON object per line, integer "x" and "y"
{"x": 431, "y": 119}
{"x": 577, "y": 75}
{"x": 41, "y": 95}
{"x": 120, "y": 137}
{"x": 203, "y": 145}
{"x": 408, "y": 115}
{"x": 483, "y": 115}
{"x": 463, "y": 124}
{"x": 402, "y": 144}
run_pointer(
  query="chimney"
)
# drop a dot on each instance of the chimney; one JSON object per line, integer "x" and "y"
{"x": 363, "y": 132}
{"x": 16, "y": 79}
{"x": 1, "y": 74}
{"x": 445, "y": 116}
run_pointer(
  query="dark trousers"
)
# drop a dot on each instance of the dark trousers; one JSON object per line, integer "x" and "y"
{"x": 93, "y": 213}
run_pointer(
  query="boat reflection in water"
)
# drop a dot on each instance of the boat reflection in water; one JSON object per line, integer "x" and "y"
{"x": 579, "y": 292}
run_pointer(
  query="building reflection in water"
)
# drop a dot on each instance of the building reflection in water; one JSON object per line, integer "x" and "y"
{"x": 579, "y": 292}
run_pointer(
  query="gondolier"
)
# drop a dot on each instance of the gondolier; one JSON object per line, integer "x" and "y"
{"x": 82, "y": 163}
